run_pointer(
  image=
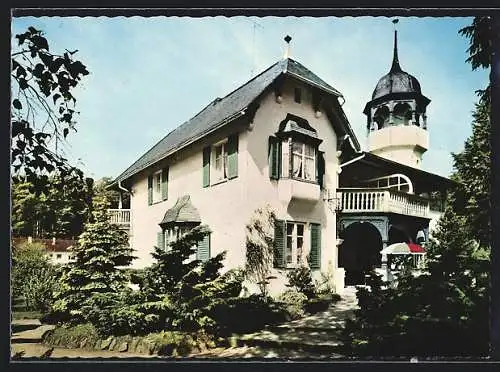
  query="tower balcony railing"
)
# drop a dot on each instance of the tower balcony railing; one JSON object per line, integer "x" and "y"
{"x": 356, "y": 200}
{"x": 120, "y": 217}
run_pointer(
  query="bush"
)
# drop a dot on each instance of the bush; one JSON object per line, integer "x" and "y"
{"x": 300, "y": 278}
{"x": 247, "y": 314}
{"x": 293, "y": 302}
{"x": 33, "y": 276}
{"x": 72, "y": 336}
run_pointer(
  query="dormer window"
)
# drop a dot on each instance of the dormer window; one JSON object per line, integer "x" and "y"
{"x": 294, "y": 152}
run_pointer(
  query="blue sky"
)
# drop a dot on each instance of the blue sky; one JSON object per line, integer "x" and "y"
{"x": 149, "y": 75}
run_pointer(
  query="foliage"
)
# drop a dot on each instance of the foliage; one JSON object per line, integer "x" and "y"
{"x": 259, "y": 247}
{"x": 473, "y": 172}
{"x": 294, "y": 302}
{"x": 33, "y": 276}
{"x": 43, "y": 107}
{"x": 480, "y": 36}
{"x": 102, "y": 249}
{"x": 301, "y": 279}
{"x": 102, "y": 186}
{"x": 325, "y": 285}
{"x": 72, "y": 336}
{"x": 247, "y": 314}
{"x": 60, "y": 211}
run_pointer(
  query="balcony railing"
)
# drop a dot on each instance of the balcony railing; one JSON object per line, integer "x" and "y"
{"x": 382, "y": 201}
{"x": 120, "y": 217}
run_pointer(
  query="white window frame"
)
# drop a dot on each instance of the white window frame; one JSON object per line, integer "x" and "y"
{"x": 303, "y": 156}
{"x": 293, "y": 256}
{"x": 219, "y": 175}
{"x": 157, "y": 193}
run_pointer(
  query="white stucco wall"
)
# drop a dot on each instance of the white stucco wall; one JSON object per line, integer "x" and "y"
{"x": 404, "y": 144}
{"x": 227, "y": 207}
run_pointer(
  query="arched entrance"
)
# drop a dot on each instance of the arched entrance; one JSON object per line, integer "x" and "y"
{"x": 360, "y": 251}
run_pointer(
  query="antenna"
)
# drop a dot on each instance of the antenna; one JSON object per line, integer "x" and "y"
{"x": 255, "y": 25}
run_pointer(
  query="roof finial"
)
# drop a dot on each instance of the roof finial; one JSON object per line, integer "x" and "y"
{"x": 287, "y": 39}
{"x": 395, "y": 61}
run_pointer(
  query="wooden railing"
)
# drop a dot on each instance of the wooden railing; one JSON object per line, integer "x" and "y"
{"x": 119, "y": 216}
{"x": 384, "y": 201}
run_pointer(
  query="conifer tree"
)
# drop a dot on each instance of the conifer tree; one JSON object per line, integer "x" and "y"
{"x": 100, "y": 256}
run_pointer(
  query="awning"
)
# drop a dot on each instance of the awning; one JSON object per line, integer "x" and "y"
{"x": 403, "y": 248}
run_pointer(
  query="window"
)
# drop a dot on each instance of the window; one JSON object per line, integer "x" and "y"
{"x": 220, "y": 163}
{"x": 58, "y": 256}
{"x": 303, "y": 161}
{"x": 172, "y": 234}
{"x": 294, "y": 243}
{"x": 297, "y": 95}
{"x": 289, "y": 244}
{"x": 157, "y": 187}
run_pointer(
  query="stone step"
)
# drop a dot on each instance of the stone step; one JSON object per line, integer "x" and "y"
{"x": 32, "y": 335}
{"x": 310, "y": 341}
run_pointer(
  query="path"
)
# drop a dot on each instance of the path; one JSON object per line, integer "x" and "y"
{"x": 312, "y": 337}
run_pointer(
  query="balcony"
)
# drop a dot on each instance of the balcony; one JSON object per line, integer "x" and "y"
{"x": 120, "y": 217}
{"x": 305, "y": 191}
{"x": 383, "y": 201}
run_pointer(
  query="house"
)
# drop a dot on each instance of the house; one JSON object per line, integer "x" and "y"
{"x": 283, "y": 139}
{"x": 57, "y": 250}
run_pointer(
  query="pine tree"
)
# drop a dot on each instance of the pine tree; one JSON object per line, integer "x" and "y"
{"x": 100, "y": 256}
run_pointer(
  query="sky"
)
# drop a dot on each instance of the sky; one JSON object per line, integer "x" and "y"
{"x": 150, "y": 75}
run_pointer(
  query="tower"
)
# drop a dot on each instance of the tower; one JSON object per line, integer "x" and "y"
{"x": 396, "y": 116}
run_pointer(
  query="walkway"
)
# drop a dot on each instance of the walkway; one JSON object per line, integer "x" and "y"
{"x": 312, "y": 337}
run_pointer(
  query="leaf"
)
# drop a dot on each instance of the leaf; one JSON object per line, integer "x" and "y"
{"x": 65, "y": 132}
{"x": 17, "y": 104}
{"x": 46, "y": 58}
{"x": 23, "y": 84}
{"x": 33, "y": 30}
{"x": 40, "y": 42}
{"x": 20, "y": 71}
{"x": 56, "y": 97}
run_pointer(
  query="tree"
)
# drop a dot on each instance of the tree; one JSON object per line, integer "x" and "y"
{"x": 480, "y": 50}
{"x": 102, "y": 186}
{"x": 100, "y": 256}
{"x": 43, "y": 107}
{"x": 260, "y": 248}
{"x": 60, "y": 211}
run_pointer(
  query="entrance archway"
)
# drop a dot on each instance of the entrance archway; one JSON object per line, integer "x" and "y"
{"x": 360, "y": 251}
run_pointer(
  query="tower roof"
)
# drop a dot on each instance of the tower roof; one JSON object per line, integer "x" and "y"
{"x": 397, "y": 80}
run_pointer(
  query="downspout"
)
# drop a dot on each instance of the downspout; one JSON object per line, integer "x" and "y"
{"x": 124, "y": 189}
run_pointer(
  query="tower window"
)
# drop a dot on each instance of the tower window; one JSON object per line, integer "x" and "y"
{"x": 297, "y": 95}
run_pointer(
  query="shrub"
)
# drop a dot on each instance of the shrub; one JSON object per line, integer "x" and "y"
{"x": 293, "y": 302}
{"x": 247, "y": 314}
{"x": 33, "y": 276}
{"x": 72, "y": 336}
{"x": 300, "y": 278}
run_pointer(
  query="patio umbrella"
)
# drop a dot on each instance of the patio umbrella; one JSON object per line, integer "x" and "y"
{"x": 403, "y": 248}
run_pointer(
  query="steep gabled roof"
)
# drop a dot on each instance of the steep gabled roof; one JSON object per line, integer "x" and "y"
{"x": 223, "y": 110}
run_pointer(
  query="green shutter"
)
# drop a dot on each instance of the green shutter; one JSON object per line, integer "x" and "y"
{"x": 274, "y": 158}
{"x": 164, "y": 184}
{"x": 279, "y": 243}
{"x": 203, "y": 251}
{"x": 315, "y": 253}
{"x": 150, "y": 190}
{"x": 232, "y": 156}
{"x": 161, "y": 240}
{"x": 206, "y": 166}
{"x": 320, "y": 165}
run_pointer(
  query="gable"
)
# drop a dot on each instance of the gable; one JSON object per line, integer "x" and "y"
{"x": 222, "y": 111}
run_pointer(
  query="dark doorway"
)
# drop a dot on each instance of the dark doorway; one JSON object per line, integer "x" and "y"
{"x": 360, "y": 251}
